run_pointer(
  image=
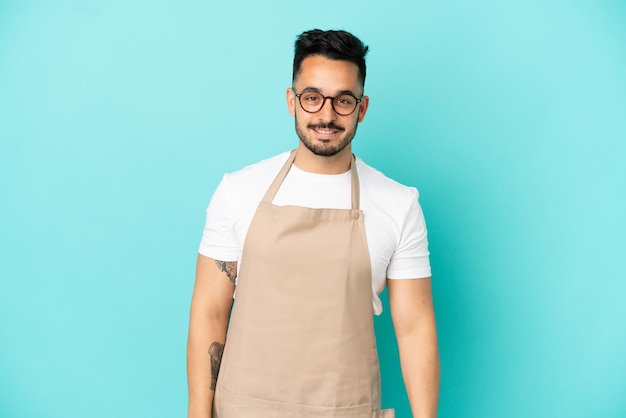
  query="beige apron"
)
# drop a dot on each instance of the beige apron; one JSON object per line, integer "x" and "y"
{"x": 301, "y": 340}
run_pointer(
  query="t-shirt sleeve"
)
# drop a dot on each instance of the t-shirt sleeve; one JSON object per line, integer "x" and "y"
{"x": 218, "y": 237}
{"x": 411, "y": 258}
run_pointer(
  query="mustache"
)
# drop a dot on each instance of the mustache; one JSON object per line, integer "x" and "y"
{"x": 330, "y": 125}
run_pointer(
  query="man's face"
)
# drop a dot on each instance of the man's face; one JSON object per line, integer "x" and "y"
{"x": 326, "y": 133}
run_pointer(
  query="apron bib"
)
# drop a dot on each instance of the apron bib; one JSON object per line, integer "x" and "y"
{"x": 301, "y": 340}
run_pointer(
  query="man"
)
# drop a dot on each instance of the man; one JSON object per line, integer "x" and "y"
{"x": 305, "y": 241}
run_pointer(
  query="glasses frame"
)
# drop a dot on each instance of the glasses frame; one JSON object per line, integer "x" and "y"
{"x": 332, "y": 101}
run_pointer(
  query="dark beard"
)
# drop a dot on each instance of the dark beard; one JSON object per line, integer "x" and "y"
{"x": 321, "y": 149}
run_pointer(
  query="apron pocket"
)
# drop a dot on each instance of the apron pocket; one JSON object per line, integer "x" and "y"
{"x": 230, "y": 405}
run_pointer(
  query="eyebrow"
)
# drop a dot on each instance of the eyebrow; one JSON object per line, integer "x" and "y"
{"x": 339, "y": 93}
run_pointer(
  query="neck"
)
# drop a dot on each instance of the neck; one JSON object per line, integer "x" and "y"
{"x": 312, "y": 163}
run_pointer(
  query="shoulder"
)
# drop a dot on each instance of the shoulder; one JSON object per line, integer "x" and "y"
{"x": 267, "y": 166}
{"x": 244, "y": 188}
{"x": 252, "y": 178}
{"x": 377, "y": 186}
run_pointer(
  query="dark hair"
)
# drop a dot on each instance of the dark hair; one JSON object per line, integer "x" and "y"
{"x": 332, "y": 44}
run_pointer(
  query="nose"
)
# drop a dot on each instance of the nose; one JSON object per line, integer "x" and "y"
{"x": 327, "y": 112}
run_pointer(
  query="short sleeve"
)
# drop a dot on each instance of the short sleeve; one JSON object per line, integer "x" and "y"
{"x": 218, "y": 237}
{"x": 411, "y": 257}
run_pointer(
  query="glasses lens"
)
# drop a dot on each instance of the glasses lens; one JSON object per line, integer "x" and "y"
{"x": 344, "y": 104}
{"x": 311, "y": 101}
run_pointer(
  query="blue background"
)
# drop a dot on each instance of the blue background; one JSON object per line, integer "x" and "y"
{"x": 118, "y": 119}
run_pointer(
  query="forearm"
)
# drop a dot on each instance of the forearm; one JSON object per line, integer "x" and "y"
{"x": 419, "y": 358}
{"x": 211, "y": 304}
{"x": 204, "y": 345}
{"x": 413, "y": 316}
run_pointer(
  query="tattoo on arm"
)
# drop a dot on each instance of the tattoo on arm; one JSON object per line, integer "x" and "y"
{"x": 215, "y": 351}
{"x": 228, "y": 267}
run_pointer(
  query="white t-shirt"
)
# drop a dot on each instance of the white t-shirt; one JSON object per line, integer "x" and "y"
{"x": 394, "y": 222}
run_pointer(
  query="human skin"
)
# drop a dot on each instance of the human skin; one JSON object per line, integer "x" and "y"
{"x": 410, "y": 300}
{"x": 211, "y": 304}
{"x": 331, "y": 78}
{"x": 413, "y": 315}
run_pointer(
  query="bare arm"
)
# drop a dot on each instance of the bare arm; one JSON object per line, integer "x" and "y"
{"x": 413, "y": 317}
{"x": 210, "y": 311}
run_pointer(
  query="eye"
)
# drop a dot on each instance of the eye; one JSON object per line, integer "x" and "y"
{"x": 310, "y": 97}
{"x": 345, "y": 101}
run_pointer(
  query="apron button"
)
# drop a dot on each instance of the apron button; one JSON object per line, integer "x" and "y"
{"x": 355, "y": 215}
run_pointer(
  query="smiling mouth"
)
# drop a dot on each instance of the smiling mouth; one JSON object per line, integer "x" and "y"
{"x": 329, "y": 129}
{"x": 326, "y": 131}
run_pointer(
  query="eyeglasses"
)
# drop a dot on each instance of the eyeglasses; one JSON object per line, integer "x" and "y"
{"x": 312, "y": 102}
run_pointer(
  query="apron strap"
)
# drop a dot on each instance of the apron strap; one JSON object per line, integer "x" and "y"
{"x": 356, "y": 189}
{"x": 278, "y": 180}
{"x": 282, "y": 174}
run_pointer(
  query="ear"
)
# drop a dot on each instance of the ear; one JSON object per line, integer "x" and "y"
{"x": 291, "y": 101}
{"x": 363, "y": 108}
